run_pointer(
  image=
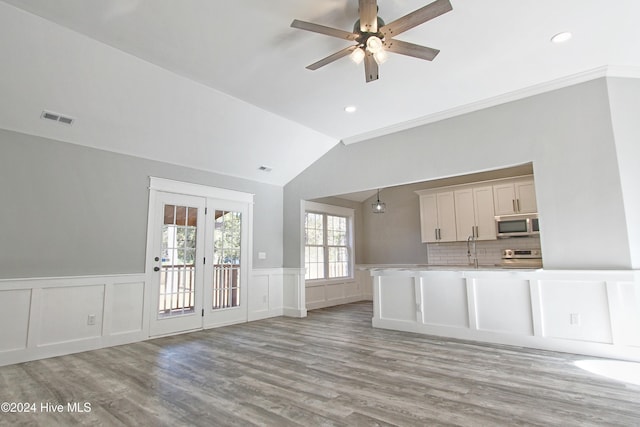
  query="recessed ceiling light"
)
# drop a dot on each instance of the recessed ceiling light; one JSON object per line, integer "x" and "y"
{"x": 350, "y": 108}
{"x": 561, "y": 37}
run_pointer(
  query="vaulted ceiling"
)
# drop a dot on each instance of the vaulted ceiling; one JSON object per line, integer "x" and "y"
{"x": 222, "y": 86}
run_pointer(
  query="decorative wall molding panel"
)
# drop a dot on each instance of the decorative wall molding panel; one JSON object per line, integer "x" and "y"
{"x": 47, "y": 317}
{"x": 266, "y": 293}
{"x": 294, "y": 292}
{"x": 55, "y": 316}
{"x": 327, "y": 294}
{"x": 586, "y": 312}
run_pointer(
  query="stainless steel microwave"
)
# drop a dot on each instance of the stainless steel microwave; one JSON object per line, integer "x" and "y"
{"x": 517, "y": 225}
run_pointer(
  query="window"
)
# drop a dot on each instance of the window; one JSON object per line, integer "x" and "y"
{"x": 328, "y": 242}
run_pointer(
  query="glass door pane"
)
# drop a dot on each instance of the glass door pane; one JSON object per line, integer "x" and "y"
{"x": 177, "y": 273}
{"x": 226, "y": 259}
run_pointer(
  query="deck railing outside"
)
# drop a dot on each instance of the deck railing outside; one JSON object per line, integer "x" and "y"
{"x": 177, "y": 288}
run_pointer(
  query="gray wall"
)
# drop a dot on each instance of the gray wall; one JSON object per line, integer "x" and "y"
{"x": 394, "y": 237}
{"x": 625, "y": 111}
{"x": 567, "y": 134}
{"x": 69, "y": 210}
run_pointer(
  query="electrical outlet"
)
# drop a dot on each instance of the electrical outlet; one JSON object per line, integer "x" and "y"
{"x": 91, "y": 319}
{"x": 574, "y": 318}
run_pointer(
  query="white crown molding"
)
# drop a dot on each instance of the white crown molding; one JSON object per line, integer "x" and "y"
{"x": 585, "y": 76}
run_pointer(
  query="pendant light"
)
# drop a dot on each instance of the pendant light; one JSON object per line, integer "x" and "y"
{"x": 378, "y": 206}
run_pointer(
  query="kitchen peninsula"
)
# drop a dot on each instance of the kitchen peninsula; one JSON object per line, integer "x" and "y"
{"x": 523, "y": 307}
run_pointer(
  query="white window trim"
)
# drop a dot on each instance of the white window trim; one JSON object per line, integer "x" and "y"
{"x": 331, "y": 210}
{"x": 179, "y": 187}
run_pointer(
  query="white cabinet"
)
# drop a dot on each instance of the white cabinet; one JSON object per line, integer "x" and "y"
{"x": 515, "y": 197}
{"x": 453, "y": 213}
{"x": 437, "y": 217}
{"x": 475, "y": 213}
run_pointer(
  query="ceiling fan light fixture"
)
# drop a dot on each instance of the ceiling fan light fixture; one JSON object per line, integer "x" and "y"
{"x": 373, "y": 36}
{"x": 381, "y": 57}
{"x": 374, "y": 44}
{"x": 357, "y": 55}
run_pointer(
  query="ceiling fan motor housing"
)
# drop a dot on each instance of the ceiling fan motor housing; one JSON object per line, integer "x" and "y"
{"x": 364, "y": 36}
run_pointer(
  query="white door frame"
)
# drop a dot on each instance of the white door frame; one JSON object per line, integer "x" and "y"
{"x": 211, "y": 193}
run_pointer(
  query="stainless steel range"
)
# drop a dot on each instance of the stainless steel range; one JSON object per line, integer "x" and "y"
{"x": 521, "y": 258}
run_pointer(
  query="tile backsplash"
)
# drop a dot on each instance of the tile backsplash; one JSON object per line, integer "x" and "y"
{"x": 489, "y": 251}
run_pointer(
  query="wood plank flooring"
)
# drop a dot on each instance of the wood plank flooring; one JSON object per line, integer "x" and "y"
{"x": 331, "y": 368}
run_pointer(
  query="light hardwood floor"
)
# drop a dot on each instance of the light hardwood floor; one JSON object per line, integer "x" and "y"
{"x": 331, "y": 368}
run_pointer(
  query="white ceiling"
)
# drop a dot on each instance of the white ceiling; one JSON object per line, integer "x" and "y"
{"x": 222, "y": 86}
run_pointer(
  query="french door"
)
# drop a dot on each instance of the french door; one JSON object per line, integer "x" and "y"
{"x": 198, "y": 253}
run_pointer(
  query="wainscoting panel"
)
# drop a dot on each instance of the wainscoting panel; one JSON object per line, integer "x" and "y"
{"x": 567, "y": 316}
{"x": 62, "y": 315}
{"x": 294, "y": 292}
{"x": 265, "y": 293}
{"x": 503, "y": 306}
{"x": 65, "y": 314}
{"x": 14, "y": 318}
{"x": 125, "y": 308}
{"x": 590, "y": 312}
{"x": 56, "y": 316}
{"x": 330, "y": 293}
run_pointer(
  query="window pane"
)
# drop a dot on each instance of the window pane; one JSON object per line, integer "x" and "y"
{"x": 192, "y": 217}
{"x": 336, "y": 230}
{"x": 338, "y": 262}
{"x": 169, "y": 214}
{"x": 313, "y": 229}
{"x": 314, "y": 262}
{"x": 226, "y": 252}
{"x": 181, "y": 215}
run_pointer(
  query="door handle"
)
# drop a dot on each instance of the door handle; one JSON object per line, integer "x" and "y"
{"x": 156, "y": 268}
{"x": 518, "y": 203}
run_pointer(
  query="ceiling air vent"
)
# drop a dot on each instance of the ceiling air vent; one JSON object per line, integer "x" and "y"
{"x": 48, "y": 115}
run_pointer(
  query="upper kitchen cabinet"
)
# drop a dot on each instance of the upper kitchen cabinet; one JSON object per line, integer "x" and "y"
{"x": 514, "y": 197}
{"x": 475, "y": 215}
{"x": 437, "y": 216}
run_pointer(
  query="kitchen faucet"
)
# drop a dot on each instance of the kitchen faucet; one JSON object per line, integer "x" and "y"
{"x": 471, "y": 240}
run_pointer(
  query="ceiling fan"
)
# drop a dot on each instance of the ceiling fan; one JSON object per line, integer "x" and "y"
{"x": 374, "y": 38}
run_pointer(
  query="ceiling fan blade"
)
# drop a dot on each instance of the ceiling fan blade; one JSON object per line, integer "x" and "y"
{"x": 416, "y": 18}
{"x": 333, "y": 32}
{"x": 329, "y": 59}
{"x": 410, "y": 49}
{"x": 368, "y": 16}
{"x": 370, "y": 68}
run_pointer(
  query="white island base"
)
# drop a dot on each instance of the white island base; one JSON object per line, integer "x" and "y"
{"x": 594, "y": 313}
